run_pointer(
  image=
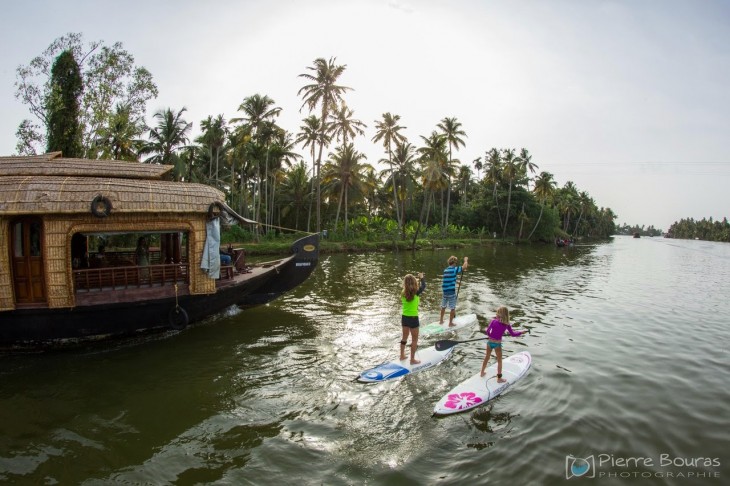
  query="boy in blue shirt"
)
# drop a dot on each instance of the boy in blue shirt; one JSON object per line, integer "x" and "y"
{"x": 448, "y": 286}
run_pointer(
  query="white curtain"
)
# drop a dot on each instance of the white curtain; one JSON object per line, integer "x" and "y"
{"x": 211, "y": 261}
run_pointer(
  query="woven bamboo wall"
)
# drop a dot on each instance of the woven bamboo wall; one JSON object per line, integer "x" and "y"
{"x": 6, "y": 287}
{"x": 57, "y": 233}
{"x": 60, "y": 192}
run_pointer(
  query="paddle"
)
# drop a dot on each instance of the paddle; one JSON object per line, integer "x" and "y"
{"x": 448, "y": 343}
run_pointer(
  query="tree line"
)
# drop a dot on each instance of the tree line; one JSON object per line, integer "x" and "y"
{"x": 704, "y": 229}
{"x": 91, "y": 101}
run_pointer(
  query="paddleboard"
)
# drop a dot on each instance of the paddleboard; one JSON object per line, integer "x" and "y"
{"x": 460, "y": 322}
{"x": 429, "y": 357}
{"x": 478, "y": 390}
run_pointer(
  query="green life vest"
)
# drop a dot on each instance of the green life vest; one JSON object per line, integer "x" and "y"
{"x": 410, "y": 308}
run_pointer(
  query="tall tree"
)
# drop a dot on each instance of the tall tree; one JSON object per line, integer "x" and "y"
{"x": 478, "y": 165}
{"x": 311, "y": 134}
{"x": 64, "y": 130}
{"x": 323, "y": 91}
{"x": 388, "y": 130}
{"x": 401, "y": 173}
{"x": 110, "y": 78}
{"x": 493, "y": 176}
{"x": 544, "y": 188}
{"x": 343, "y": 124}
{"x": 213, "y": 138}
{"x": 433, "y": 159}
{"x": 509, "y": 170}
{"x": 295, "y": 191}
{"x": 259, "y": 114}
{"x": 464, "y": 179}
{"x": 346, "y": 170}
{"x": 526, "y": 165}
{"x": 120, "y": 138}
{"x": 451, "y": 128}
{"x": 166, "y": 139}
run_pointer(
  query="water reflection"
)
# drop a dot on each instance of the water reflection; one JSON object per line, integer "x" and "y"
{"x": 268, "y": 394}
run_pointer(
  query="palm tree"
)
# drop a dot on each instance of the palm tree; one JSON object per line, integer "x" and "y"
{"x": 311, "y": 135}
{"x": 371, "y": 185}
{"x": 119, "y": 138}
{"x": 464, "y": 179}
{"x": 257, "y": 110}
{"x": 585, "y": 204}
{"x": 494, "y": 176}
{"x": 477, "y": 163}
{"x": 543, "y": 189}
{"x": 240, "y": 142}
{"x": 388, "y": 130}
{"x": 345, "y": 168}
{"x": 295, "y": 190}
{"x": 259, "y": 114}
{"x": 451, "y": 128}
{"x": 213, "y": 137}
{"x": 281, "y": 156}
{"x": 567, "y": 202}
{"x": 509, "y": 170}
{"x": 343, "y": 125}
{"x": 325, "y": 93}
{"x": 170, "y": 135}
{"x": 525, "y": 164}
{"x": 433, "y": 158}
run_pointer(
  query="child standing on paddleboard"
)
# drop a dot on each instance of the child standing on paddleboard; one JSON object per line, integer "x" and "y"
{"x": 410, "y": 297}
{"x": 496, "y": 329}
{"x": 448, "y": 287}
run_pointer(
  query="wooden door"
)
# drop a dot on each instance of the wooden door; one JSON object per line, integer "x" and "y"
{"x": 27, "y": 257}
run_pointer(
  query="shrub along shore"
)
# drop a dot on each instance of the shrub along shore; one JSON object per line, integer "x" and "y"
{"x": 282, "y": 245}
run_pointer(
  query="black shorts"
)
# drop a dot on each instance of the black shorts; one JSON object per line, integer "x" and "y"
{"x": 409, "y": 321}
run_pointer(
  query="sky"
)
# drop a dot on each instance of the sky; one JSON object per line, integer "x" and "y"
{"x": 628, "y": 99}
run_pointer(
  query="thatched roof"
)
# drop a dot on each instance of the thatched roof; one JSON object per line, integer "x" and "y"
{"x": 49, "y": 184}
{"x": 44, "y": 194}
{"x": 52, "y": 164}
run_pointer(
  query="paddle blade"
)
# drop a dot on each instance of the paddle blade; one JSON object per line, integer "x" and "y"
{"x": 445, "y": 344}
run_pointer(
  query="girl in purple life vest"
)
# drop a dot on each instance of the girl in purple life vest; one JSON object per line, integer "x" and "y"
{"x": 496, "y": 329}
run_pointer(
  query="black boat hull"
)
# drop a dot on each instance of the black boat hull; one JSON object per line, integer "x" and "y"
{"x": 43, "y": 328}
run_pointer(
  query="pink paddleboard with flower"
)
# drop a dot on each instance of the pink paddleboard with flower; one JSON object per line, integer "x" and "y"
{"x": 478, "y": 390}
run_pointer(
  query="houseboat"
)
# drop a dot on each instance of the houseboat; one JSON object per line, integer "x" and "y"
{"x": 99, "y": 249}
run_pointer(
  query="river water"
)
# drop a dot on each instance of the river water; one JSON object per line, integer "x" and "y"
{"x": 630, "y": 378}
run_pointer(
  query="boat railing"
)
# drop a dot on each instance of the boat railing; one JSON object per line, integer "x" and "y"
{"x": 96, "y": 279}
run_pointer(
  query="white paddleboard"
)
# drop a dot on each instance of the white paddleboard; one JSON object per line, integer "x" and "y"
{"x": 478, "y": 390}
{"x": 460, "y": 322}
{"x": 429, "y": 357}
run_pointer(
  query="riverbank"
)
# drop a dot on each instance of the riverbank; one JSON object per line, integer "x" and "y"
{"x": 282, "y": 246}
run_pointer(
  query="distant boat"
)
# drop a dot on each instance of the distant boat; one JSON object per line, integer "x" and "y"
{"x": 59, "y": 287}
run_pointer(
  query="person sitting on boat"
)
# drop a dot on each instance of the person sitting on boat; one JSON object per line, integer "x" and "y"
{"x": 100, "y": 258}
{"x": 142, "y": 252}
{"x": 226, "y": 256}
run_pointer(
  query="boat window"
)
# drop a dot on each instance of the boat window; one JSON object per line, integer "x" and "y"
{"x": 18, "y": 244}
{"x": 35, "y": 239}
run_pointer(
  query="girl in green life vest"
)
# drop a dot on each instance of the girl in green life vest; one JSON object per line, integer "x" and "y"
{"x": 410, "y": 297}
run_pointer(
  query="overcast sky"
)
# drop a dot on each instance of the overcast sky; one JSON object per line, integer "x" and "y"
{"x": 628, "y": 99}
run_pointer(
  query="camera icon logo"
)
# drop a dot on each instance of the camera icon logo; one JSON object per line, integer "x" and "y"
{"x": 576, "y": 467}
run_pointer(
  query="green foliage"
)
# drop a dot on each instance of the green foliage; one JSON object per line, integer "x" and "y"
{"x": 626, "y": 229}
{"x": 64, "y": 131}
{"x": 110, "y": 78}
{"x": 705, "y": 229}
